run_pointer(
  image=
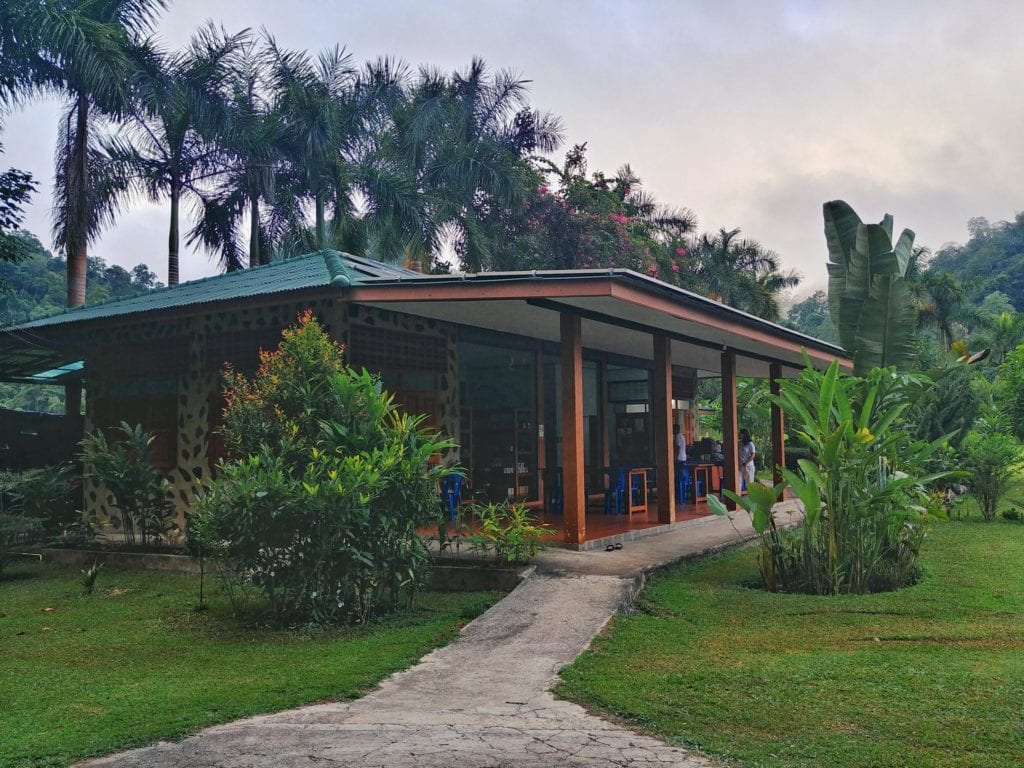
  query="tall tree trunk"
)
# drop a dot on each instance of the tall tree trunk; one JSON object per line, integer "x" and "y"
{"x": 254, "y": 231}
{"x": 78, "y": 259}
{"x": 321, "y": 222}
{"x": 78, "y": 207}
{"x": 172, "y": 238}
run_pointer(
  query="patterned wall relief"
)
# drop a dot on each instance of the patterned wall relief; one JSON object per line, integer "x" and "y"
{"x": 414, "y": 354}
{"x": 172, "y": 375}
{"x": 132, "y": 376}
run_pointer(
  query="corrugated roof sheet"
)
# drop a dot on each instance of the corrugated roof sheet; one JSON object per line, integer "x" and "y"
{"x": 310, "y": 271}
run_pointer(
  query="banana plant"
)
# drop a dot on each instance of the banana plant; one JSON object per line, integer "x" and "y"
{"x": 863, "y": 486}
{"x": 868, "y": 292}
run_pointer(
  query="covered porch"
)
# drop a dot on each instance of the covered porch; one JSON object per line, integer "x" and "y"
{"x": 571, "y": 381}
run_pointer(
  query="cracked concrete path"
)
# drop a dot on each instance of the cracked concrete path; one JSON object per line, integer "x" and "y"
{"x": 482, "y": 702}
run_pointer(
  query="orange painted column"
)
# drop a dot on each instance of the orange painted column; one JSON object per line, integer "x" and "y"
{"x": 664, "y": 448}
{"x": 604, "y": 412}
{"x": 572, "y": 429}
{"x": 539, "y": 422}
{"x": 778, "y": 425}
{"x": 730, "y": 427}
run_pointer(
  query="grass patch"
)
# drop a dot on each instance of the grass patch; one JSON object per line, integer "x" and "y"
{"x": 932, "y": 675}
{"x": 133, "y": 663}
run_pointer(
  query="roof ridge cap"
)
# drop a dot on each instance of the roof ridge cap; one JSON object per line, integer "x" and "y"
{"x": 341, "y": 275}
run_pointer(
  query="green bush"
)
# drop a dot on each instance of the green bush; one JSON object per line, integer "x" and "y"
{"x": 13, "y": 528}
{"x": 509, "y": 532}
{"x": 141, "y": 494}
{"x": 327, "y": 484}
{"x": 863, "y": 486}
{"x": 42, "y": 494}
{"x": 989, "y": 453}
{"x": 1009, "y": 390}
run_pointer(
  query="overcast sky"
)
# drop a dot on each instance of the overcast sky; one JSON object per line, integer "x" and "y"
{"x": 750, "y": 113}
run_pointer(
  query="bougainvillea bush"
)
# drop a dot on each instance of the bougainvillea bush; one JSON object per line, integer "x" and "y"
{"x": 325, "y": 486}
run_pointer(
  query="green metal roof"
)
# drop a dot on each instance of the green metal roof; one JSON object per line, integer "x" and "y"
{"x": 29, "y": 354}
{"x": 315, "y": 270}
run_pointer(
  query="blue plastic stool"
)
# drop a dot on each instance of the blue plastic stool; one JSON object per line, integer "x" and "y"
{"x": 451, "y": 493}
{"x": 614, "y": 493}
{"x": 683, "y": 484}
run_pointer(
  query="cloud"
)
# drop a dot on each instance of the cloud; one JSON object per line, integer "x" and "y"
{"x": 751, "y": 114}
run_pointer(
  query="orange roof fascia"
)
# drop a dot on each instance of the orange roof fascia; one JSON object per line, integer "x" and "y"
{"x": 633, "y": 295}
{"x": 473, "y": 290}
{"x": 605, "y": 287}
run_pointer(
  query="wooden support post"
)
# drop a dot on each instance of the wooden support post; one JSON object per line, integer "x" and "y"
{"x": 575, "y": 500}
{"x": 778, "y": 426}
{"x": 730, "y": 427}
{"x": 604, "y": 419}
{"x": 73, "y": 399}
{"x": 664, "y": 448}
{"x": 542, "y": 459}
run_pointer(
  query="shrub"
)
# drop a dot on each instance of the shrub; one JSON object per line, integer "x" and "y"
{"x": 141, "y": 494}
{"x": 508, "y": 531}
{"x": 89, "y": 576}
{"x": 13, "y": 529}
{"x": 863, "y": 487}
{"x": 41, "y": 494}
{"x": 989, "y": 454}
{"x": 1009, "y": 390}
{"x": 326, "y": 485}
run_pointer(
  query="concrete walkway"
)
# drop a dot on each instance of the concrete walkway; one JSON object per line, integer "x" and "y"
{"x": 482, "y": 702}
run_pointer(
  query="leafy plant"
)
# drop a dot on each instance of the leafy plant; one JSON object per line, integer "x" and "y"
{"x": 509, "y": 531}
{"x": 13, "y": 528}
{"x": 989, "y": 454}
{"x": 41, "y": 494}
{"x": 1009, "y": 390}
{"x": 869, "y": 296}
{"x": 327, "y": 485}
{"x": 863, "y": 486}
{"x": 89, "y": 576}
{"x": 124, "y": 466}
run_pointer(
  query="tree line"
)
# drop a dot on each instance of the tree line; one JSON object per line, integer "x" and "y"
{"x": 274, "y": 152}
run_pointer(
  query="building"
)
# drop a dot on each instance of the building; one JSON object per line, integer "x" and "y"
{"x": 548, "y": 380}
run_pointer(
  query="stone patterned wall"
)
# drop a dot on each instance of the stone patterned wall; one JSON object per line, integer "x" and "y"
{"x": 448, "y": 380}
{"x": 97, "y": 500}
{"x": 198, "y": 383}
{"x": 195, "y": 387}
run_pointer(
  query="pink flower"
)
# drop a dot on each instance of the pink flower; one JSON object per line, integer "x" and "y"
{"x": 680, "y": 251}
{"x": 675, "y": 267}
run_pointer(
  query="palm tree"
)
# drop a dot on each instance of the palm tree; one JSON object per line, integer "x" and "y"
{"x": 91, "y": 51}
{"x": 943, "y": 303}
{"x": 168, "y": 147}
{"x": 1001, "y": 334}
{"x": 741, "y": 273}
{"x": 464, "y": 140}
{"x": 322, "y": 125}
{"x": 251, "y": 154}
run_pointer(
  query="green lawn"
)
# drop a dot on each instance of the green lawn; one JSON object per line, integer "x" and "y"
{"x": 929, "y": 676}
{"x": 133, "y": 663}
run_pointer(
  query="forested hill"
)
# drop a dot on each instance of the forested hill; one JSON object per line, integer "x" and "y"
{"x": 991, "y": 260}
{"x": 37, "y": 286}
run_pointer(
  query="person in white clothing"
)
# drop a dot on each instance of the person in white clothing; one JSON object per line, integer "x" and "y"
{"x": 680, "y": 441}
{"x": 747, "y": 455}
